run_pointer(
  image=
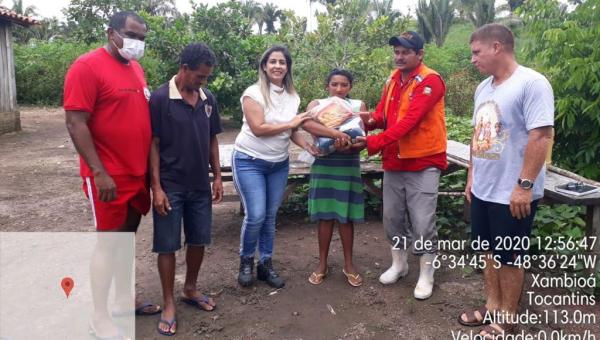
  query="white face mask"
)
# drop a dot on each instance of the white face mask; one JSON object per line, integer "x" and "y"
{"x": 133, "y": 49}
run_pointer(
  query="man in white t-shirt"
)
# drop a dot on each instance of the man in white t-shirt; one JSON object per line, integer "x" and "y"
{"x": 513, "y": 119}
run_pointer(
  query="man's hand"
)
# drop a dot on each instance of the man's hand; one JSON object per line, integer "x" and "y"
{"x": 367, "y": 118}
{"x": 105, "y": 186}
{"x": 468, "y": 187}
{"x": 160, "y": 201}
{"x": 520, "y": 202}
{"x": 360, "y": 143}
{"x": 343, "y": 137}
{"x": 217, "y": 191}
{"x": 342, "y": 144}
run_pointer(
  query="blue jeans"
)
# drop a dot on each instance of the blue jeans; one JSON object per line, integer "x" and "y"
{"x": 261, "y": 185}
{"x": 195, "y": 209}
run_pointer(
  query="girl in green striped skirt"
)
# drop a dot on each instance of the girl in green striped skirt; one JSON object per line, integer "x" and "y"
{"x": 336, "y": 191}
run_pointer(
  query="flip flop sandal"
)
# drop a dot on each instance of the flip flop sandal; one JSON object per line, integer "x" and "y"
{"x": 141, "y": 310}
{"x": 317, "y": 279}
{"x": 473, "y": 320}
{"x": 171, "y": 323}
{"x": 196, "y": 302}
{"x": 353, "y": 279}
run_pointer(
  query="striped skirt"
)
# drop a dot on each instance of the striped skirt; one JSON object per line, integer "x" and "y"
{"x": 336, "y": 189}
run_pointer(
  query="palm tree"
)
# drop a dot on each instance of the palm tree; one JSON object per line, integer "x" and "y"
{"x": 434, "y": 18}
{"x": 160, "y": 8}
{"x": 479, "y": 12}
{"x": 22, "y": 35}
{"x": 252, "y": 11}
{"x": 270, "y": 15}
{"x": 49, "y": 29}
{"x": 19, "y": 9}
{"x": 380, "y": 8}
{"x": 421, "y": 25}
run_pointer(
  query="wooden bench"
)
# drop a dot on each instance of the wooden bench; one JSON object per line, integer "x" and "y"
{"x": 458, "y": 158}
{"x": 300, "y": 172}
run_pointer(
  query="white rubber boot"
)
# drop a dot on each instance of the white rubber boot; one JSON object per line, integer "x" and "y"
{"x": 424, "y": 286}
{"x": 398, "y": 269}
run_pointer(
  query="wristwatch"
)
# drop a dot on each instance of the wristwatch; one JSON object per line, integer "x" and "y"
{"x": 525, "y": 184}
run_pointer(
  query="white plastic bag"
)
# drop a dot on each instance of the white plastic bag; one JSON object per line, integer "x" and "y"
{"x": 331, "y": 112}
{"x": 306, "y": 157}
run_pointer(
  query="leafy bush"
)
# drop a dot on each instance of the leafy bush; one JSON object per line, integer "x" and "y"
{"x": 458, "y": 128}
{"x": 40, "y": 69}
{"x": 563, "y": 222}
{"x": 450, "y": 211}
{"x": 564, "y": 46}
{"x": 345, "y": 38}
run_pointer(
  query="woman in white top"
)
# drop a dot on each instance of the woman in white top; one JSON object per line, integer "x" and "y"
{"x": 260, "y": 159}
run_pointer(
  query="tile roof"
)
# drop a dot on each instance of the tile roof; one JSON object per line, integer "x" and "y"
{"x": 14, "y": 17}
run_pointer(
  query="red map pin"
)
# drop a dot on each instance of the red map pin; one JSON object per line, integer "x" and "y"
{"x": 67, "y": 285}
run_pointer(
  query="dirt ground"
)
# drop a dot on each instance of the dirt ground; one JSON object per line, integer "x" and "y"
{"x": 40, "y": 190}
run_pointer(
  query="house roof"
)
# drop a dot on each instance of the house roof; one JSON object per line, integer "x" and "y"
{"x": 14, "y": 17}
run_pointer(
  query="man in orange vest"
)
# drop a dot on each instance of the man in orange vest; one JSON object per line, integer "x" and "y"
{"x": 413, "y": 147}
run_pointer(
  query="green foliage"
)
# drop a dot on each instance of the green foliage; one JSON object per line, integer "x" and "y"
{"x": 564, "y": 223}
{"x": 40, "y": 70}
{"x": 296, "y": 203}
{"x": 459, "y": 128}
{"x": 164, "y": 43}
{"x": 346, "y": 37}
{"x": 270, "y": 15}
{"x": 86, "y": 19}
{"x": 227, "y": 28}
{"x": 556, "y": 221}
{"x": 434, "y": 19}
{"x": 453, "y": 62}
{"x": 564, "y": 47}
{"x": 352, "y": 34}
{"x": 479, "y": 12}
{"x": 19, "y": 33}
{"x": 450, "y": 211}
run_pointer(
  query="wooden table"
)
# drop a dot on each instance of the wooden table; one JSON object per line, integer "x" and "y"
{"x": 300, "y": 171}
{"x": 458, "y": 157}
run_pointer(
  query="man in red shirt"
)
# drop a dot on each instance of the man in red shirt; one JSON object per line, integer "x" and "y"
{"x": 413, "y": 146}
{"x": 108, "y": 119}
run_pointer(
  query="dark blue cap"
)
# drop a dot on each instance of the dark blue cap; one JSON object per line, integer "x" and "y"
{"x": 408, "y": 39}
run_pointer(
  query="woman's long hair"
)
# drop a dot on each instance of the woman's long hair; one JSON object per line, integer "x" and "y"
{"x": 263, "y": 80}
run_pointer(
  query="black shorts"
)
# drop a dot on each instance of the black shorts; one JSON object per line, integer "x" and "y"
{"x": 493, "y": 222}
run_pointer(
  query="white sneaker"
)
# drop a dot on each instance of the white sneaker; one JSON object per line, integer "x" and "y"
{"x": 424, "y": 287}
{"x": 398, "y": 269}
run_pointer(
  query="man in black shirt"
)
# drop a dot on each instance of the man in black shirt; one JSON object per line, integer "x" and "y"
{"x": 185, "y": 124}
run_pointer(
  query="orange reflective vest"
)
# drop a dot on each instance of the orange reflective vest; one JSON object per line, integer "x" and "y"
{"x": 428, "y": 137}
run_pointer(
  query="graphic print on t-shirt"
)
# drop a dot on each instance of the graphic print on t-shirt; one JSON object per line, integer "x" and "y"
{"x": 490, "y": 136}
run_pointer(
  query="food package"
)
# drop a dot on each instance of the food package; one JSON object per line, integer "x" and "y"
{"x": 353, "y": 127}
{"x": 331, "y": 112}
